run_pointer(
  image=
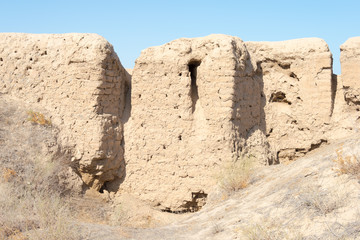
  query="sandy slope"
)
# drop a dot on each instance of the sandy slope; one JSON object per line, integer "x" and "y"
{"x": 306, "y": 199}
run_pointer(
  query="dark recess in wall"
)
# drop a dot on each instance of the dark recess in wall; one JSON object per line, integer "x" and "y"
{"x": 193, "y": 65}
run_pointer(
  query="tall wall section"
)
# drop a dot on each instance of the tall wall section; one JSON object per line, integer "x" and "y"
{"x": 297, "y": 78}
{"x": 350, "y": 70}
{"x": 192, "y": 103}
{"x": 346, "y": 117}
{"x": 78, "y": 81}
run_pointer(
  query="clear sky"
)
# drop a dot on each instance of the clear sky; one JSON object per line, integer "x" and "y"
{"x": 135, "y": 25}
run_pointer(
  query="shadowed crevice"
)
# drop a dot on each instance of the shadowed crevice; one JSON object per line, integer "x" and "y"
{"x": 193, "y": 65}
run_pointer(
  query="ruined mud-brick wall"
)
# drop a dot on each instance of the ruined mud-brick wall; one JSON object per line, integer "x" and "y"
{"x": 297, "y": 78}
{"x": 192, "y": 103}
{"x": 78, "y": 81}
{"x": 346, "y": 115}
{"x": 350, "y": 70}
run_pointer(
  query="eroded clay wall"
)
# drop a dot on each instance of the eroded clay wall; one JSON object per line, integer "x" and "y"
{"x": 268, "y": 100}
{"x": 188, "y": 100}
{"x": 350, "y": 70}
{"x": 76, "y": 80}
{"x": 297, "y": 78}
{"x": 346, "y": 117}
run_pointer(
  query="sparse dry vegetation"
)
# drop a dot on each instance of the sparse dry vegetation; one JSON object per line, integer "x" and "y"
{"x": 270, "y": 229}
{"x": 320, "y": 200}
{"x": 119, "y": 215}
{"x": 33, "y": 203}
{"x": 30, "y": 211}
{"x": 347, "y": 164}
{"x": 8, "y": 173}
{"x": 235, "y": 175}
{"x": 38, "y": 118}
{"x": 217, "y": 228}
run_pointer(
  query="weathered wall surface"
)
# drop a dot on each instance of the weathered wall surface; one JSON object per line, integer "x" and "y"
{"x": 193, "y": 102}
{"x": 79, "y": 80}
{"x": 350, "y": 70}
{"x": 298, "y": 89}
{"x": 346, "y": 117}
{"x": 198, "y": 103}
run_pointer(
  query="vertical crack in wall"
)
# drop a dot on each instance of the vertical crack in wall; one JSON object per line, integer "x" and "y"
{"x": 193, "y": 65}
{"x": 333, "y": 83}
{"x": 333, "y": 92}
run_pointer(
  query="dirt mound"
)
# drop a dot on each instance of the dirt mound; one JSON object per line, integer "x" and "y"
{"x": 34, "y": 174}
{"x": 29, "y": 143}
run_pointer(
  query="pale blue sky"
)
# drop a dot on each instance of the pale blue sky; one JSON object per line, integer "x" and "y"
{"x": 135, "y": 25}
